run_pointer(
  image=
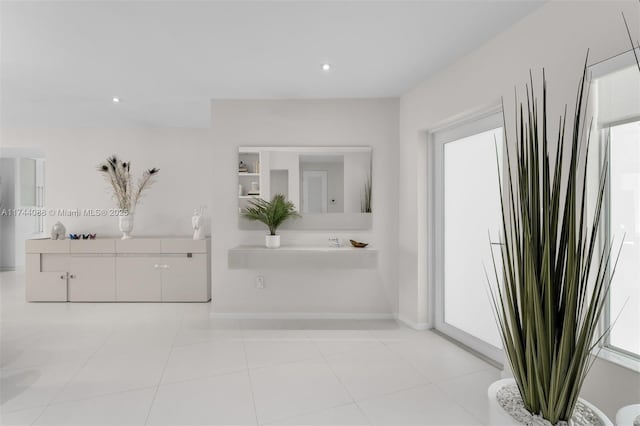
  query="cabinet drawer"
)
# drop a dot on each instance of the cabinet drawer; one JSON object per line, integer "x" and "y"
{"x": 92, "y": 246}
{"x": 47, "y": 246}
{"x": 138, "y": 245}
{"x": 180, "y": 245}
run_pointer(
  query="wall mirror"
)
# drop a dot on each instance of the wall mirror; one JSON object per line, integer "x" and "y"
{"x": 330, "y": 186}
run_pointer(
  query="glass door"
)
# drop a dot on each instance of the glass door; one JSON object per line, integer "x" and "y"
{"x": 468, "y": 224}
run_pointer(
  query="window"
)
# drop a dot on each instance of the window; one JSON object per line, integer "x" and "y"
{"x": 617, "y": 113}
{"x": 622, "y": 219}
{"x": 467, "y": 209}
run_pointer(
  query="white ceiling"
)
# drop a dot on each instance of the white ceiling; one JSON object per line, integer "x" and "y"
{"x": 62, "y": 62}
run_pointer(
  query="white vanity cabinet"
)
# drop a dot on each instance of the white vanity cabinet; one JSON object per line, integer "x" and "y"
{"x": 111, "y": 270}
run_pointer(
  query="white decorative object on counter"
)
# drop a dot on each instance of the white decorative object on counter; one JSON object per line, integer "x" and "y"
{"x": 272, "y": 241}
{"x": 58, "y": 231}
{"x": 335, "y": 242}
{"x": 126, "y": 193}
{"x": 126, "y": 226}
{"x": 196, "y": 223}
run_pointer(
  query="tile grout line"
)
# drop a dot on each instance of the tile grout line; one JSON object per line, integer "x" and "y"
{"x": 453, "y": 401}
{"x": 343, "y": 385}
{"x": 253, "y": 398}
{"x": 450, "y": 397}
{"x": 320, "y": 409}
{"x": 73, "y": 376}
{"x": 155, "y": 394}
{"x": 410, "y": 364}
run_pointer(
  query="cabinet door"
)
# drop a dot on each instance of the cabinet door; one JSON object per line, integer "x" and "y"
{"x": 138, "y": 279}
{"x": 92, "y": 279}
{"x": 46, "y": 279}
{"x": 184, "y": 279}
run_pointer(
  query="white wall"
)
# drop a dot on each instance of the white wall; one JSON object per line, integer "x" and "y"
{"x": 556, "y": 36}
{"x": 73, "y": 182}
{"x": 7, "y": 222}
{"x": 370, "y": 122}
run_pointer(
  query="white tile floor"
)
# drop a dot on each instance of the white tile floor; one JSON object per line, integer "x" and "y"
{"x": 171, "y": 364}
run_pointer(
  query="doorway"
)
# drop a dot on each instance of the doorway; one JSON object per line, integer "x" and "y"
{"x": 22, "y": 193}
{"x": 467, "y": 223}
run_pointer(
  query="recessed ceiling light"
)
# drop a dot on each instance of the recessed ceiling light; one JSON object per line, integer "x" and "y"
{"x": 326, "y": 67}
{"x": 115, "y": 100}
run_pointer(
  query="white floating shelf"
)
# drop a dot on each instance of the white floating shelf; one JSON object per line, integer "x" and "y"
{"x": 244, "y": 197}
{"x": 297, "y": 257}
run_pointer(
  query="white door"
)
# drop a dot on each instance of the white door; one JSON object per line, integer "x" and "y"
{"x": 468, "y": 220}
{"x": 314, "y": 191}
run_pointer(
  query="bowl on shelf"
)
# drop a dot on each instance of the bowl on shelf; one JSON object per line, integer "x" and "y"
{"x": 358, "y": 244}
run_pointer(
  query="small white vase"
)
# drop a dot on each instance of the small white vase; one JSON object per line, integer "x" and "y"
{"x": 126, "y": 225}
{"x": 499, "y": 417}
{"x": 272, "y": 241}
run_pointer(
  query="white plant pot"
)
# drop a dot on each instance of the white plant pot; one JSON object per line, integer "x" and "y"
{"x": 126, "y": 226}
{"x": 499, "y": 417}
{"x": 272, "y": 241}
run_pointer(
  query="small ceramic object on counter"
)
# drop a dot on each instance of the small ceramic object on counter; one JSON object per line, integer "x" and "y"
{"x": 335, "y": 242}
{"x": 58, "y": 231}
{"x": 358, "y": 244}
{"x": 75, "y": 236}
{"x": 196, "y": 223}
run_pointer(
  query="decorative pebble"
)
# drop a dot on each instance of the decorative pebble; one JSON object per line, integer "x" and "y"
{"x": 510, "y": 400}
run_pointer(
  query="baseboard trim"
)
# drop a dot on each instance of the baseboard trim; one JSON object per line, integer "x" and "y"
{"x": 472, "y": 351}
{"x": 420, "y": 326}
{"x": 300, "y": 315}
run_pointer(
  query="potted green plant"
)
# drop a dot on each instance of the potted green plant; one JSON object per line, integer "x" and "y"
{"x": 273, "y": 214}
{"x": 553, "y": 281}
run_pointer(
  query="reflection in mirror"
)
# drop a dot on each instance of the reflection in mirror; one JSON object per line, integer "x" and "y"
{"x": 322, "y": 183}
{"x": 319, "y": 181}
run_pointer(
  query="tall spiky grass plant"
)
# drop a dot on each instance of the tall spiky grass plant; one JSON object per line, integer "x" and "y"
{"x": 365, "y": 202}
{"x": 554, "y": 279}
